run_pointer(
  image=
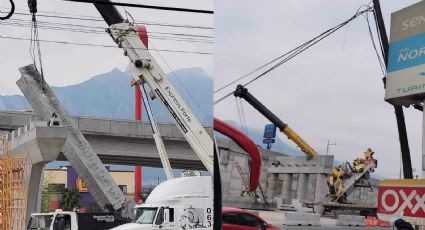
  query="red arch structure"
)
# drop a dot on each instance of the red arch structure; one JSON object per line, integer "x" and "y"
{"x": 143, "y": 35}
{"x": 246, "y": 144}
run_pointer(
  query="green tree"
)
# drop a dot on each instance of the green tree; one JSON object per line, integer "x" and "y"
{"x": 46, "y": 192}
{"x": 70, "y": 199}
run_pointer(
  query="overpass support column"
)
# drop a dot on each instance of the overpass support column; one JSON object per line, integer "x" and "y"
{"x": 286, "y": 188}
{"x": 302, "y": 189}
{"x": 40, "y": 145}
{"x": 271, "y": 186}
{"x": 320, "y": 193}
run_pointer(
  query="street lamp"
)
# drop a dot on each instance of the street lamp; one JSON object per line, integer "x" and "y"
{"x": 327, "y": 146}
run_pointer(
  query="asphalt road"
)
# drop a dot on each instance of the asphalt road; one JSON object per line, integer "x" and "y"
{"x": 330, "y": 227}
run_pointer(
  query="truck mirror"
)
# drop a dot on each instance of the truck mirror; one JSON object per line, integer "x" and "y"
{"x": 166, "y": 215}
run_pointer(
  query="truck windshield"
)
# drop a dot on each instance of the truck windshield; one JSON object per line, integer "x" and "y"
{"x": 145, "y": 215}
{"x": 42, "y": 222}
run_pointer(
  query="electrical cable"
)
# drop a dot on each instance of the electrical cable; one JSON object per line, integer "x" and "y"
{"x": 300, "y": 49}
{"x": 105, "y": 46}
{"x": 12, "y": 10}
{"x": 98, "y": 32}
{"x": 97, "y": 28}
{"x": 96, "y": 19}
{"x": 381, "y": 62}
{"x": 181, "y": 83}
{"x": 145, "y": 6}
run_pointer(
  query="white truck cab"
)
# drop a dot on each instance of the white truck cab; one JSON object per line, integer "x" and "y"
{"x": 64, "y": 220}
{"x": 179, "y": 203}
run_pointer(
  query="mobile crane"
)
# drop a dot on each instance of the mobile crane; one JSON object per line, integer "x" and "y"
{"x": 242, "y": 92}
{"x": 344, "y": 178}
{"x": 176, "y": 197}
{"x": 169, "y": 198}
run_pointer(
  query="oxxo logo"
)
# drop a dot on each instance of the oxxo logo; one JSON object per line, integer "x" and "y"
{"x": 395, "y": 202}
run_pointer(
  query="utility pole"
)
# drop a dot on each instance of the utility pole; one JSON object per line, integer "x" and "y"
{"x": 327, "y": 147}
{"x": 401, "y": 125}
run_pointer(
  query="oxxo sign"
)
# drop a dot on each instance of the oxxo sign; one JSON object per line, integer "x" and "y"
{"x": 406, "y": 58}
{"x": 402, "y": 199}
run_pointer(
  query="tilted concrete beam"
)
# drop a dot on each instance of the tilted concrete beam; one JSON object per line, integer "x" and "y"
{"x": 77, "y": 149}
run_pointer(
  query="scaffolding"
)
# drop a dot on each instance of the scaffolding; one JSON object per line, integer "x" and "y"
{"x": 12, "y": 189}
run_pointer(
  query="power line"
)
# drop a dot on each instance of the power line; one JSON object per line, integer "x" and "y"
{"x": 87, "y": 31}
{"x": 102, "y": 29}
{"x": 381, "y": 62}
{"x": 294, "y": 52}
{"x": 181, "y": 83}
{"x": 98, "y": 19}
{"x": 105, "y": 46}
{"x": 145, "y": 6}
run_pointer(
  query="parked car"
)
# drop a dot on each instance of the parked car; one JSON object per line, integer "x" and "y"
{"x": 239, "y": 219}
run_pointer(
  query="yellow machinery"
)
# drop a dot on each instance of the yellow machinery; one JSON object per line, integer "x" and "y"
{"x": 304, "y": 146}
{"x": 346, "y": 176}
{"x": 283, "y": 127}
{"x": 343, "y": 178}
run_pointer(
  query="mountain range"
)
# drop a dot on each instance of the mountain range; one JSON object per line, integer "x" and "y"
{"x": 110, "y": 95}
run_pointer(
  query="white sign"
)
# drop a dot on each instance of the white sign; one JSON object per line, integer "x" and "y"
{"x": 406, "y": 58}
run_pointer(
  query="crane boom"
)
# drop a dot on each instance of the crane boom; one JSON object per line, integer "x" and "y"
{"x": 157, "y": 135}
{"x": 242, "y": 92}
{"x": 145, "y": 69}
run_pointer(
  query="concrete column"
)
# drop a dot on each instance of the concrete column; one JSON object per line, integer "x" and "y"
{"x": 271, "y": 186}
{"x": 35, "y": 185}
{"x": 320, "y": 193}
{"x": 40, "y": 145}
{"x": 286, "y": 188}
{"x": 302, "y": 189}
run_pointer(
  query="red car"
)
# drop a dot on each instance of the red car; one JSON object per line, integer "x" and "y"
{"x": 239, "y": 219}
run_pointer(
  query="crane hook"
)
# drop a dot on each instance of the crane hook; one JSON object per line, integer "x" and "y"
{"x": 12, "y": 10}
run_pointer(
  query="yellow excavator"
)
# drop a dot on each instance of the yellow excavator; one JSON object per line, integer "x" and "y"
{"x": 346, "y": 176}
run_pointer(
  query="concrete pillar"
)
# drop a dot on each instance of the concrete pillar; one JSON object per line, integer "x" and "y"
{"x": 40, "y": 145}
{"x": 302, "y": 189}
{"x": 286, "y": 188}
{"x": 271, "y": 186}
{"x": 35, "y": 186}
{"x": 320, "y": 193}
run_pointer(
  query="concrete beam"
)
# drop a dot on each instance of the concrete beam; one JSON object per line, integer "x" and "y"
{"x": 12, "y": 120}
{"x": 77, "y": 149}
{"x": 291, "y": 164}
{"x": 39, "y": 144}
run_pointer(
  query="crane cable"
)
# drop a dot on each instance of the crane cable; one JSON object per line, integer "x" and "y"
{"x": 35, "y": 49}
{"x": 12, "y": 10}
{"x": 241, "y": 114}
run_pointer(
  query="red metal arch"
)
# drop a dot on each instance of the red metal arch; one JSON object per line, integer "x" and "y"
{"x": 246, "y": 144}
